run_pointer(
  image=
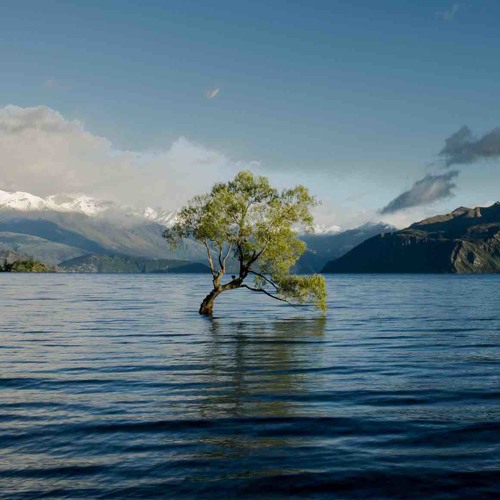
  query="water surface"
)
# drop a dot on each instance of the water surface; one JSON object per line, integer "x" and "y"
{"x": 113, "y": 386}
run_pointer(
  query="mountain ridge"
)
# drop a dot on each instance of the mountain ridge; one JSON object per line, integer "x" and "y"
{"x": 24, "y": 202}
{"x": 466, "y": 240}
{"x": 79, "y": 203}
{"x": 59, "y": 228}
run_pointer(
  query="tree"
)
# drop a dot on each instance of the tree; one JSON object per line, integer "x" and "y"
{"x": 23, "y": 266}
{"x": 254, "y": 225}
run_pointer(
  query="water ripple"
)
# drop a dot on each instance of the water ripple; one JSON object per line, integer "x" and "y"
{"x": 114, "y": 387}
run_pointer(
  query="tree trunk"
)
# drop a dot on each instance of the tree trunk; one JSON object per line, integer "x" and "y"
{"x": 207, "y": 306}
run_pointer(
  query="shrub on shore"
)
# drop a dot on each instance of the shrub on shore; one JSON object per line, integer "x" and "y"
{"x": 24, "y": 266}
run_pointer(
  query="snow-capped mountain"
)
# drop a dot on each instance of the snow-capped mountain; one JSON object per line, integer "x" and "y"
{"x": 21, "y": 201}
{"x": 92, "y": 207}
{"x": 62, "y": 227}
{"x": 159, "y": 216}
{"x": 320, "y": 229}
{"x": 82, "y": 204}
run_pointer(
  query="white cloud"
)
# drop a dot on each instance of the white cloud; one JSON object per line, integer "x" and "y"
{"x": 212, "y": 93}
{"x": 44, "y": 153}
{"x": 448, "y": 15}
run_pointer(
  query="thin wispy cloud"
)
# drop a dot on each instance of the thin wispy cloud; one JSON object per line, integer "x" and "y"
{"x": 430, "y": 189}
{"x": 212, "y": 93}
{"x": 448, "y": 15}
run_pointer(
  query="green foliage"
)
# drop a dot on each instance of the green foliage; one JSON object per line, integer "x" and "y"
{"x": 304, "y": 289}
{"x": 255, "y": 224}
{"x": 24, "y": 266}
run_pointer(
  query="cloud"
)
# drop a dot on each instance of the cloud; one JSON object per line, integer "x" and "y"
{"x": 448, "y": 15}
{"x": 430, "y": 189}
{"x": 463, "y": 148}
{"x": 460, "y": 148}
{"x": 212, "y": 93}
{"x": 44, "y": 153}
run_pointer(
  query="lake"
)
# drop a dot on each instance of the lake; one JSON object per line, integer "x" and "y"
{"x": 113, "y": 386}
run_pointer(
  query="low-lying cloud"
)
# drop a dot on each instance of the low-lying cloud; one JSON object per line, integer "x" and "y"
{"x": 428, "y": 190}
{"x": 44, "y": 153}
{"x": 463, "y": 147}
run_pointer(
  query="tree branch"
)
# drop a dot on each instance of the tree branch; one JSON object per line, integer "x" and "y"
{"x": 210, "y": 261}
{"x": 220, "y": 259}
{"x": 256, "y": 256}
{"x": 229, "y": 248}
{"x": 240, "y": 258}
{"x": 267, "y": 293}
{"x": 281, "y": 216}
{"x": 265, "y": 278}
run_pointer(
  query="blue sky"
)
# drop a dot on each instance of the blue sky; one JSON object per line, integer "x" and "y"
{"x": 353, "y": 98}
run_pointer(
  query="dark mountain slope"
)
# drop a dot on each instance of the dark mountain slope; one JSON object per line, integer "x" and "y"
{"x": 464, "y": 241}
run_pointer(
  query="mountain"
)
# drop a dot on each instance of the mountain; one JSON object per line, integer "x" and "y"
{"x": 8, "y": 256}
{"x": 322, "y": 248}
{"x": 80, "y": 204}
{"x": 466, "y": 240}
{"x": 125, "y": 264}
{"x": 38, "y": 248}
{"x": 62, "y": 227}
{"x": 321, "y": 229}
{"x": 42, "y": 234}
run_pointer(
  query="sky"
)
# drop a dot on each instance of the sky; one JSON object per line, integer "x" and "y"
{"x": 387, "y": 110}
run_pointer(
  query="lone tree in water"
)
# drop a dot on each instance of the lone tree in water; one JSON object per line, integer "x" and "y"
{"x": 248, "y": 221}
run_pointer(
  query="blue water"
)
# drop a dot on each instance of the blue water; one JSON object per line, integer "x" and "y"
{"x": 113, "y": 386}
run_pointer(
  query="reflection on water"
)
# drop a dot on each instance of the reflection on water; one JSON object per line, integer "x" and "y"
{"x": 256, "y": 362}
{"x": 112, "y": 386}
